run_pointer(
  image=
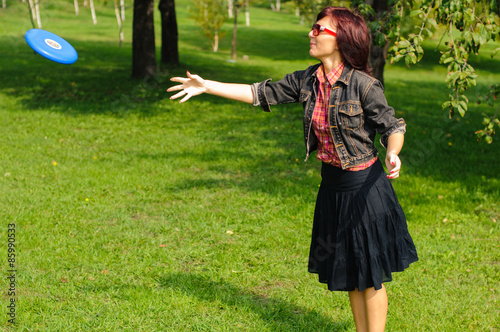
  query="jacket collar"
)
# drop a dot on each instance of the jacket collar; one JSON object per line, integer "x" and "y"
{"x": 344, "y": 78}
{"x": 346, "y": 74}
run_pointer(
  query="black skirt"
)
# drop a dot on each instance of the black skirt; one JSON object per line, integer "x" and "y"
{"x": 360, "y": 235}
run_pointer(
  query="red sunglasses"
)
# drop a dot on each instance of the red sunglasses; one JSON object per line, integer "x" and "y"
{"x": 316, "y": 29}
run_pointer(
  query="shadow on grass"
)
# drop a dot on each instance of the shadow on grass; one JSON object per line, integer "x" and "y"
{"x": 278, "y": 314}
{"x": 99, "y": 83}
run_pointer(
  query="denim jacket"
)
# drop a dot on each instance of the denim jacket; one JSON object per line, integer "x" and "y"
{"x": 358, "y": 110}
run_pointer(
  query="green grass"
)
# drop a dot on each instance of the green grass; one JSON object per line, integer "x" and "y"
{"x": 135, "y": 213}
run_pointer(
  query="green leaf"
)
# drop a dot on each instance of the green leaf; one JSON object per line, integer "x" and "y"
{"x": 495, "y": 52}
{"x": 403, "y": 43}
{"x": 396, "y": 58}
{"x": 432, "y": 22}
{"x": 446, "y": 105}
{"x": 410, "y": 59}
{"x": 448, "y": 60}
{"x": 463, "y": 106}
{"x": 461, "y": 111}
{"x": 452, "y": 76}
{"x": 415, "y": 13}
{"x": 471, "y": 81}
{"x": 380, "y": 39}
{"x": 375, "y": 26}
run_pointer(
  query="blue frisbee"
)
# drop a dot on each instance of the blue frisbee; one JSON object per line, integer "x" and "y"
{"x": 51, "y": 46}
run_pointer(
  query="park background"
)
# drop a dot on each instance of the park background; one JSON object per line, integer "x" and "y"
{"x": 136, "y": 213}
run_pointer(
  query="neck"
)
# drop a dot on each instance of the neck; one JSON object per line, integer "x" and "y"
{"x": 329, "y": 65}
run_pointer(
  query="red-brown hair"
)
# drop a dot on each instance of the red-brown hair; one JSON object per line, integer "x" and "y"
{"x": 353, "y": 37}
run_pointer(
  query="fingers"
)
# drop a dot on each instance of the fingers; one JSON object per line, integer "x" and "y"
{"x": 191, "y": 86}
{"x": 175, "y": 88}
{"x": 178, "y": 87}
{"x": 188, "y": 95}
{"x": 180, "y": 94}
{"x": 177, "y": 95}
{"x": 180, "y": 79}
{"x": 393, "y": 165}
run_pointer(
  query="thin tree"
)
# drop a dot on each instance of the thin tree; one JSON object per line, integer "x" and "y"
{"x": 119, "y": 21}
{"x": 210, "y": 16}
{"x": 92, "y": 11}
{"x": 236, "y": 5}
{"x": 247, "y": 12}
{"x": 122, "y": 9}
{"x": 34, "y": 10}
{"x": 230, "y": 8}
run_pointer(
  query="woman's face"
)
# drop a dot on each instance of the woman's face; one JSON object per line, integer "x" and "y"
{"x": 324, "y": 46}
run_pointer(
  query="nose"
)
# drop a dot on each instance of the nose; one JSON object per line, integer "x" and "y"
{"x": 310, "y": 34}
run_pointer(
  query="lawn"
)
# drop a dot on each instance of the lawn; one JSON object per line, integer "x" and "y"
{"x": 135, "y": 213}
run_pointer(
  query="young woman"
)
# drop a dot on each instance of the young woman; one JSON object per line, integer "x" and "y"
{"x": 360, "y": 233}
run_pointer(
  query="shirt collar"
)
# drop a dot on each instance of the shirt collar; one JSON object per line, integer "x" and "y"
{"x": 333, "y": 76}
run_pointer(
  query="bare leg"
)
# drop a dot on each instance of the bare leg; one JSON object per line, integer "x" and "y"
{"x": 369, "y": 309}
{"x": 358, "y": 308}
{"x": 376, "y": 308}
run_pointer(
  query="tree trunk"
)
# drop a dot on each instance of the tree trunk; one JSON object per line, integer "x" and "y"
{"x": 169, "y": 34}
{"x": 377, "y": 60}
{"x": 215, "y": 47}
{"x": 378, "y": 54}
{"x": 230, "y": 8}
{"x": 37, "y": 11}
{"x": 119, "y": 21}
{"x": 235, "y": 31}
{"x": 92, "y": 10}
{"x": 247, "y": 12}
{"x": 143, "y": 40}
{"x": 122, "y": 9}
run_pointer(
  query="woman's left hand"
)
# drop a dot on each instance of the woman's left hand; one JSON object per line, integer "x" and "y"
{"x": 393, "y": 164}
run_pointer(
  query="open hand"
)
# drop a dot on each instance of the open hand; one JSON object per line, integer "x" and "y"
{"x": 191, "y": 86}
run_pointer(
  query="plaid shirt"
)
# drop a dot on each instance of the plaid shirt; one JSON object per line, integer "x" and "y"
{"x": 321, "y": 124}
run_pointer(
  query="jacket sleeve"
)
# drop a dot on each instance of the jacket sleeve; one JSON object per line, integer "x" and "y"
{"x": 284, "y": 91}
{"x": 379, "y": 114}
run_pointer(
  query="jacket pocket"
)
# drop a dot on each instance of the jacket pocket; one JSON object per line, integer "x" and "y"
{"x": 351, "y": 115}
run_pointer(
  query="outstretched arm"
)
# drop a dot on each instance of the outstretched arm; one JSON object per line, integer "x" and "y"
{"x": 194, "y": 85}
